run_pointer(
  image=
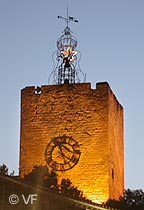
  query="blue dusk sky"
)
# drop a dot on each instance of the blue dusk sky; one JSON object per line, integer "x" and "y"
{"x": 110, "y": 36}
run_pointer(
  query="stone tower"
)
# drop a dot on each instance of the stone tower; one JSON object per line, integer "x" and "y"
{"x": 75, "y": 130}
{"x": 93, "y": 118}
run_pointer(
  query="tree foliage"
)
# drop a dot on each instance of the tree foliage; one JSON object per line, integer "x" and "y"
{"x": 41, "y": 175}
{"x": 41, "y": 182}
{"x": 66, "y": 188}
{"x": 132, "y": 200}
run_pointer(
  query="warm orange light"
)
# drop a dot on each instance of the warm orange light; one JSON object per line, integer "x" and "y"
{"x": 100, "y": 199}
{"x": 69, "y": 53}
{"x": 96, "y": 195}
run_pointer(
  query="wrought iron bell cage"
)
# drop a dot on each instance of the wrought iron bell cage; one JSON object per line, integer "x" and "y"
{"x": 65, "y": 70}
{"x": 66, "y": 45}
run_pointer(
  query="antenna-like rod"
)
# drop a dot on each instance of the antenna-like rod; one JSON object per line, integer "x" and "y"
{"x": 68, "y": 18}
{"x": 67, "y": 15}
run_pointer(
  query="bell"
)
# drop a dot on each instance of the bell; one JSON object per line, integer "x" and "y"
{"x": 67, "y": 64}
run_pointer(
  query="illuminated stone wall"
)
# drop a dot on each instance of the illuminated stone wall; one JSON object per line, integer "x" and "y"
{"x": 93, "y": 117}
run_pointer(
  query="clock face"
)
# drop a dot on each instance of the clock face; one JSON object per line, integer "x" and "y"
{"x": 62, "y": 153}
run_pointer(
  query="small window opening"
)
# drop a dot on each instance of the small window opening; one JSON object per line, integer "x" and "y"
{"x": 112, "y": 173}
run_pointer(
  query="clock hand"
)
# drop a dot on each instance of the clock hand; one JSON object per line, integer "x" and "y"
{"x": 67, "y": 148}
{"x": 76, "y": 151}
{"x": 61, "y": 152}
{"x": 63, "y": 155}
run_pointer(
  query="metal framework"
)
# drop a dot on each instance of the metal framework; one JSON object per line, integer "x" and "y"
{"x": 66, "y": 71}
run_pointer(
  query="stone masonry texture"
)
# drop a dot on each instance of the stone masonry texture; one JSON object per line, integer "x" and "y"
{"x": 93, "y": 118}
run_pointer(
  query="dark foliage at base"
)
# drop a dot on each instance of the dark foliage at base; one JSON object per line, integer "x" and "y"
{"x": 41, "y": 176}
{"x": 43, "y": 186}
{"x": 132, "y": 200}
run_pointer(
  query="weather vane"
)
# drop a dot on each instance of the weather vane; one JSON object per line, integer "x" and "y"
{"x": 66, "y": 70}
{"x": 68, "y": 18}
